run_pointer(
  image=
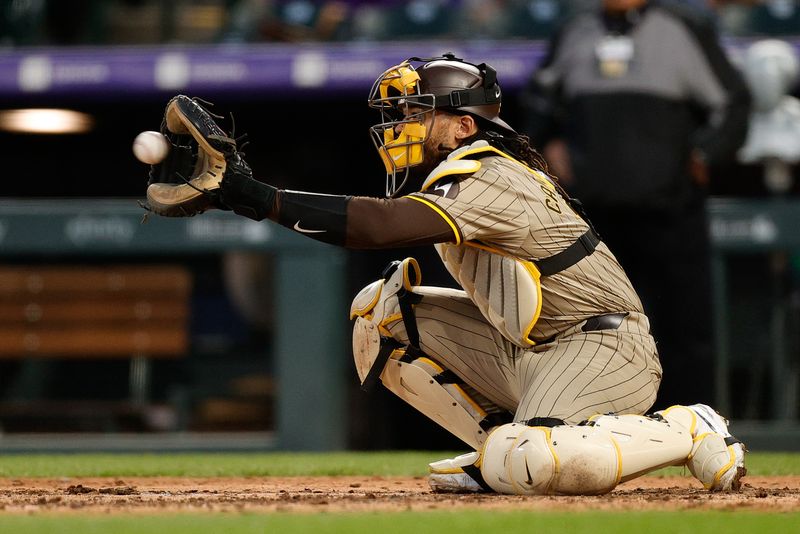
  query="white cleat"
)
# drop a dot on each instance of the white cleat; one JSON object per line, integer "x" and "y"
{"x": 457, "y": 475}
{"x": 717, "y": 458}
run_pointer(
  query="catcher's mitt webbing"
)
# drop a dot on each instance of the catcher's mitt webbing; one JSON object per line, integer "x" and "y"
{"x": 185, "y": 116}
{"x": 188, "y": 181}
{"x": 177, "y": 166}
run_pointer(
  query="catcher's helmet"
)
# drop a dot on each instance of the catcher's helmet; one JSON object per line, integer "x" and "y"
{"x": 404, "y": 94}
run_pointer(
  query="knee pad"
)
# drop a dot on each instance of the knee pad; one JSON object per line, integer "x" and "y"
{"x": 377, "y": 305}
{"x": 563, "y": 460}
{"x": 377, "y": 302}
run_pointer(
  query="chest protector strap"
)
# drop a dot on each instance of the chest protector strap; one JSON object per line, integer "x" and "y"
{"x": 582, "y": 247}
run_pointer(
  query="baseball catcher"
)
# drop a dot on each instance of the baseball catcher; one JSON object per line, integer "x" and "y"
{"x": 543, "y": 362}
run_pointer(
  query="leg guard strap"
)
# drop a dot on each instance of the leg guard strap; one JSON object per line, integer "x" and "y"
{"x": 474, "y": 472}
{"x": 549, "y": 422}
{"x": 388, "y": 346}
{"x": 407, "y": 299}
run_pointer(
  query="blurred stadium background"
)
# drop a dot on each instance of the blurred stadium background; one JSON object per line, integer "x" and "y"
{"x": 219, "y": 333}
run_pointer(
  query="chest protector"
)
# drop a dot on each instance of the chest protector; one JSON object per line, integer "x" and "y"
{"x": 506, "y": 289}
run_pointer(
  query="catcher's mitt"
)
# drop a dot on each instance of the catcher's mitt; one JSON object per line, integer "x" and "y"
{"x": 187, "y": 182}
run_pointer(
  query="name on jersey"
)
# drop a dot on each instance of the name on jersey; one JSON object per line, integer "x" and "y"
{"x": 551, "y": 199}
{"x": 549, "y": 189}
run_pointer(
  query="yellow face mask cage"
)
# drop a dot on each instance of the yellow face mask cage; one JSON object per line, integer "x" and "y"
{"x": 399, "y": 138}
{"x": 403, "y": 78}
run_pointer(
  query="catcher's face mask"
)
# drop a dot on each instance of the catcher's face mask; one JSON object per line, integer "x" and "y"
{"x": 400, "y": 135}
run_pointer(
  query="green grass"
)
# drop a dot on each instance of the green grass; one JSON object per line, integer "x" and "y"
{"x": 218, "y": 464}
{"x": 461, "y": 521}
{"x": 281, "y": 464}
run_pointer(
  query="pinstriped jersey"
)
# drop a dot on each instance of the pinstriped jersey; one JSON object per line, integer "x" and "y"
{"x": 504, "y": 213}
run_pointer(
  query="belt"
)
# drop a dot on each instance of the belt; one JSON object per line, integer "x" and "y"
{"x": 609, "y": 321}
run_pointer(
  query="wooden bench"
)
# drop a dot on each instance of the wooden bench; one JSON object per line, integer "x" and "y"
{"x": 90, "y": 312}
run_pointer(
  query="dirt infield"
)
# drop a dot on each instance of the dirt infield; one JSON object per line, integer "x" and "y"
{"x": 340, "y": 494}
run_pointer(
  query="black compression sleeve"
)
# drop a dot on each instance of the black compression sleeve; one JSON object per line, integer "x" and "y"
{"x": 323, "y": 217}
{"x": 247, "y": 197}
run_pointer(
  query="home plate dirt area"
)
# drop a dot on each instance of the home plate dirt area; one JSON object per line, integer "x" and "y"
{"x": 364, "y": 494}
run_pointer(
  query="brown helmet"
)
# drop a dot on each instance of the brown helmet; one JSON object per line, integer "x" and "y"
{"x": 462, "y": 87}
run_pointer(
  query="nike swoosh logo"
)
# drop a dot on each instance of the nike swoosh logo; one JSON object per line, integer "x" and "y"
{"x": 529, "y": 480}
{"x": 497, "y": 93}
{"x": 303, "y": 230}
{"x": 397, "y": 157}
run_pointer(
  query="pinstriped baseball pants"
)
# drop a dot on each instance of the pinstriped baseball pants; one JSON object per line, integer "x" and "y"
{"x": 577, "y": 375}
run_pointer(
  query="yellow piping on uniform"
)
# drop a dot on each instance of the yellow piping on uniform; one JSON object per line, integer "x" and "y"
{"x": 442, "y": 213}
{"x": 475, "y": 244}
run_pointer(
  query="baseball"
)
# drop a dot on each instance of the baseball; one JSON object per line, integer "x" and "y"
{"x": 150, "y": 147}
